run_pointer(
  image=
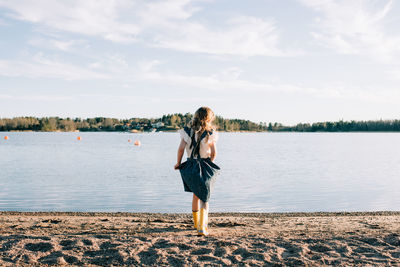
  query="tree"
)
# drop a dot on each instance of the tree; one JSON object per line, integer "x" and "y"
{"x": 48, "y": 124}
{"x": 108, "y": 124}
{"x": 67, "y": 125}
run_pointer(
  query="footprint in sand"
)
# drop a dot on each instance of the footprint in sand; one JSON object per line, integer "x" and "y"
{"x": 149, "y": 257}
{"x": 58, "y": 258}
{"x": 392, "y": 239}
{"x": 104, "y": 257}
{"x": 41, "y": 246}
{"x": 246, "y": 254}
{"x": 68, "y": 244}
{"x": 207, "y": 258}
{"x": 87, "y": 242}
{"x": 108, "y": 245}
{"x": 320, "y": 248}
{"x": 182, "y": 246}
{"x": 8, "y": 245}
{"x": 201, "y": 251}
{"x": 163, "y": 243}
{"x": 220, "y": 252}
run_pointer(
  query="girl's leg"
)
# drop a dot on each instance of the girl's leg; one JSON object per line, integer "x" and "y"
{"x": 195, "y": 210}
{"x": 204, "y": 205}
{"x": 203, "y": 218}
{"x": 195, "y": 203}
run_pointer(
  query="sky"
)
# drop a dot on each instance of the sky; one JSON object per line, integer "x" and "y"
{"x": 287, "y": 61}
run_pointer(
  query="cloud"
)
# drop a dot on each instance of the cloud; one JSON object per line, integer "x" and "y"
{"x": 166, "y": 12}
{"x": 101, "y": 18}
{"x": 244, "y": 36}
{"x": 42, "y": 67}
{"x": 166, "y": 24}
{"x": 115, "y": 66}
{"x": 114, "y": 69}
{"x": 57, "y": 44}
{"x": 219, "y": 83}
{"x": 239, "y": 35}
{"x": 37, "y": 97}
{"x": 147, "y": 65}
{"x": 146, "y": 99}
{"x": 355, "y": 27}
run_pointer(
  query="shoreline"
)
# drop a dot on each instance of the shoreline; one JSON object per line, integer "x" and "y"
{"x": 174, "y": 131}
{"x": 234, "y": 214}
{"x": 162, "y": 239}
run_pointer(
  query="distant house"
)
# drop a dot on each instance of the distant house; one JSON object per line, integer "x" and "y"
{"x": 157, "y": 124}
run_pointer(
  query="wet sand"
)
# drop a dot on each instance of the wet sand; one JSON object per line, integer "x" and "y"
{"x": 239, "y": 239}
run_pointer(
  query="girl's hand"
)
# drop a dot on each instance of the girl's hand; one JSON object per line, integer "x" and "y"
{"x": 177, "y": 166}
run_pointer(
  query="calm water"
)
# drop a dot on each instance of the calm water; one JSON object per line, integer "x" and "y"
{"x": 261, "y": 172}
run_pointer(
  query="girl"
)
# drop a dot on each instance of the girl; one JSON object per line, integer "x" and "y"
{"x": 200, "y": 130}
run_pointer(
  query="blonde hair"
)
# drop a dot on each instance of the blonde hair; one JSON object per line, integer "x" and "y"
{"x": 202, "y": 121}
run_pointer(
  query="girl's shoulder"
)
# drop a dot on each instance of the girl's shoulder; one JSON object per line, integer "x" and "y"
{"x": 187, "y": 130}
{"x": 185, "y": 134}
{"x": 212, "y": 136}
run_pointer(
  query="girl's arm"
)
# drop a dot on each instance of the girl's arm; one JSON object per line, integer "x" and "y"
{"x": 181, "y": 150}
{"x": 213, "y": 148}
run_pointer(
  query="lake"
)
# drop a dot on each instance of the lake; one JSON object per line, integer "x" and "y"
{"x": 261, "y": 172}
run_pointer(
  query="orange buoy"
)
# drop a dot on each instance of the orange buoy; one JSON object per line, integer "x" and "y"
{"x": 137, "y": 143}
{"x": 79, "y": 138}
{"x": 129, "y": 140}
{"x": 6, "y": 137}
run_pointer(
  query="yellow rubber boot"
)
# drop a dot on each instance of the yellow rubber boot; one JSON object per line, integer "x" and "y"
{"x": 196, "y": 217}
{"x": 202, "y": 230}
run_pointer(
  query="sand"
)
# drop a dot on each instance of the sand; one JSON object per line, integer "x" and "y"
{"x": 239, "y": 239}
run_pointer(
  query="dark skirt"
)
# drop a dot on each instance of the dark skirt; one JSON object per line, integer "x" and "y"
{"x": 198, "y": 176}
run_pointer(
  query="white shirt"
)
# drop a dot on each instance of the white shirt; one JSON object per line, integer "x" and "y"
{"x": 205, "y": 150}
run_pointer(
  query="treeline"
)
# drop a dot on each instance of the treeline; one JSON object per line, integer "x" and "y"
{"x": 230, "y": 125}
{"x": 339, "y": 126}
{"x": 344, "y": 126}
{"x": 172, "y": 122}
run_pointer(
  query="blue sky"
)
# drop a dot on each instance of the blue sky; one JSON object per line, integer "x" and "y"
{"x": 288, "y": 61}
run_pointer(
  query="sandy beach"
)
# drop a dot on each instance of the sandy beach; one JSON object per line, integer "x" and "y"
{"x": 241, "y": 239}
